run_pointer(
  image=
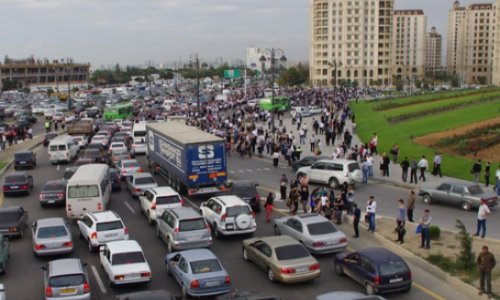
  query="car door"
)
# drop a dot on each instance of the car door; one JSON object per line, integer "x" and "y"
{"x": 262, "y": 254}
{"x": 84, "y": 226}
{"x": 161, "y": 224}
{"x": 146, "y": 200}
{"x": 441, "y": 192}
{"x": 350, "y": 264}
{"x": 294, "y": 228}
{"x": 456, "y": 196}
{"x": 105, "y": 258}
{"x": 182, "y": 271}
{"x": 365, "y": 271}
{"x": 315, "y": 172}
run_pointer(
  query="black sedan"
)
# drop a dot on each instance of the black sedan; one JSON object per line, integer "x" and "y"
{"x": 306, "y": 162}
{"x": 13, "y": 221}
{"x": 53, "y": 192}
{"x": 246, "y": 190}
{"x": 24, "y": 159}
{"x": 17, "y": 183}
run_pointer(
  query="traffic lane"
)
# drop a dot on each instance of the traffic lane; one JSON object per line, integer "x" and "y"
{"x": 386, "y": 195}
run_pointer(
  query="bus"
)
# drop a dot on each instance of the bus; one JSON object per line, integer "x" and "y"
{"x": 280, "y": 103}
{"x": 119, "y": 111}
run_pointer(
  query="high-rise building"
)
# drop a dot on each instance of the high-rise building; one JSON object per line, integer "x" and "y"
{"x": 496, "y": 54}
{"x": 433, "y": 48}
{"x": 408, "y": 45}
{"x": 455, "y": 16}
{"x": 351, "y": 41}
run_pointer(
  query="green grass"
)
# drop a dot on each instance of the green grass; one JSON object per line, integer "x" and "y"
{"x": 369, "y": 121}
{"x": 2, "y": 165}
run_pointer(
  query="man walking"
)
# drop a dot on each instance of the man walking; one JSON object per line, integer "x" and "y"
{"x": 436, "y": 170}
{"x": 487, "y": 170}
{"x": 413, "y": 171}
{"x": 400, "y": 221}
{"x": 283, "y": 184}
{"x": 422, "y": 165}
{"x": 425, "y": 222}
{"x": 355, "y": 220}
{"x": 405, "y": 164}
{"x": 371, "y": 209}
{"x": 476, "y": 170}
{"x": 482, "y": 214}
{"x": 410, "y": 206}
{"x": 486, "y": 262}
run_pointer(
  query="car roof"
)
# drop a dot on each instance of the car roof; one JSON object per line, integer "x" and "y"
{"x": 229, "y": 200}
{"x": 56, "y": 181}
{"x": 124, "y": 246}
{"x": 196, "y": 254}
{"x": 185, "y": 213}
{"x": 311, "y": 218}
{"x": 379, "y": 255}
{"x": 65, "y": 266}
{"x": 164, "y": 191}
{"x": 50, "y": 222}
{"x": 129, "y": 160}
{"x": 11, "y": 208}
{"x": 142, "y": 175}
{"x": 23, "y": 152}
{"x": 244, "y": 182}
{"x": 279, "y": 240}
{"x": 22, "y": 173}
{"x": 338, "y": 160}
{"x": 106, "y": 215}
{"x": 347, "y": 295}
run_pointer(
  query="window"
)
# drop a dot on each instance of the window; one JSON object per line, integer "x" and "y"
{"x": 393, "y": 267}
{"x": 291, "y": 252}
{"x": 321, "y": 228}
{"x": 107, "y": 226}
{"x": 205, "y": 266}
{"x": 191, "y": 225}
{"x": 52, "y": 232}
{"x": 127, "y": 258}
{"x": 457, "y": 189}
{"x": 444, "y": 187}
{"x": 83, "y": 191}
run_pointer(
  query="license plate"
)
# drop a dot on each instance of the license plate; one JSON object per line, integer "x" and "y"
{"x": 134, "y": 275}
{"x": 230, "y": 226}
{"x": 14, "y": 187}
{"x": 193, "y": 237}
{"x": 22, "y": 162}
{"x": 302, "y": 270}
{"x": 67, "y": 291}
{"x": 111, "y": 235}
{"x": 395, "y": 280}
{"x": 51, "y": 201}
{"x": 212, "y": 283}
{"x": 51, "y": 246}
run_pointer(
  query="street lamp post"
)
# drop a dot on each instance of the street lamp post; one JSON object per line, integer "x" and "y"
{"x": 334, "y": 65}
{"x": 273, "y": 52}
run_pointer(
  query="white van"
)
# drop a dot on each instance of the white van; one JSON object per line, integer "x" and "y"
{"x": 139, "y": 131}
{"x": 88, "y": 190}
{"x": 62, "y": 149}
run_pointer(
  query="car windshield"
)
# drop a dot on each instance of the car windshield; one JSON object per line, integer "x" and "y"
{"x": 353, "y": 167}
{"x": 51, "y": 232}
{"x": 131, "y": 164}
{"x": 190, "y": 225}
{"x": 54, "y": 187}
{"x": 117, "y": 145}
{"x": 11, "y": 216}
{"x": 127, "y": 258}
{"x": 291, "y": 252}
{"x": 67, "y": 280}
{"x": 205, "y": 266}
{"x": 234, "y": 211}
{"x": 246, "y": 190}
{"x": 22, "y": 156}
{"x": 393, "y": 267}
{"x": 139, "y": 133}
{"x": 105, "y": 226}
{"x": 83, "y": 191}
{"x": 168, "y": 199}
{"x": 321, "y": 228}
{"x": 144, "y": 180}
{"x": 475, "y": 190}
{"x": 15, "y": 178}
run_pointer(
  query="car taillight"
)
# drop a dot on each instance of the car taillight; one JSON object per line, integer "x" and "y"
{"x": 68, "y": 244}
{"x": 13, "y": 229}
{"x": 5, "y": 188}
{"x": 314, "y": 267}
{"x": 24, "y": 187}
{"x": 119, "y": 277}
{"x": 145, "y": 274}
{"x": 136, "y": 190}
{"x": 377, "y": 280}
{"x": 195, "y": 284}
{"x": 86, "y": 288}
{"x": 39, "y": 247}
{"x": 227, "y": 280}
{"x": 99, "y": 206}
{"x": 140, "y": 170}
{"x": 125, "y": 230}
{"x": 93, "y": 236}
{"x": 318, "y": 244}
{"x": 287, "y": 270}
{"x": 343, "y": 240}
{"x": 176, "y": 230}
{"x": 153, "y": 205}
{"x": 48, "y": 292}
{"x": 183, "y": 201}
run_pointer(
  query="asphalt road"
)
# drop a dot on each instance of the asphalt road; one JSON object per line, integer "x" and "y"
{"x": 24, "y": 276}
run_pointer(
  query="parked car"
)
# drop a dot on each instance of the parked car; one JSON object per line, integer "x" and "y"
{"x": 158, "y": 199}
{"x": 53, "y": 192}
{"x": 66, "y": 279}
{"x": 198, "y": 272}
{"x": 247, "y": 191}
{"x": 99, "y": 228}
{"x": 48, "y": 137}
{"x": 24, "y": 159}
{"x": 148, "y": 295}
{"x": 242, "y": 295}
{"x": 128, "y": 167}
{"x": 17, "y": 183}
{"x": 116, "y": 181}
{"x": 314, "y": 231}
{"x": 13, "y": 221}
{"x": 4, "y": 253}
{"x": 466, "y": 195}
{"x": 124, "y": 262}
{"x": 306, "y": 162}
{"x": 377, "y": 269}
{"x": 139, "y": 182}
{"x": 283, "y": 258}
{"x": 183, "y": 228}
{"x": 333, "y": 172}
{"x": 347, "y": 295}
{"x": 51, "y": 236}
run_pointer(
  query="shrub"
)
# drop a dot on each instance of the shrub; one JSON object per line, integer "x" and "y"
{"x": 434, "y": 232}
{"x": 445, "y": 263}
{"x": 466, "y": 259}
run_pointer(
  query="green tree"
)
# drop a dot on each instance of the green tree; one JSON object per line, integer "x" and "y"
{"x": 466, "y": 259}
{"x": 294, "y": 76}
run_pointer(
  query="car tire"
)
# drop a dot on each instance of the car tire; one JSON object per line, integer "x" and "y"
{"x": 270, "y": 275}
{"x": 333, "y": 183}
{"x": 427, "y": 199}
{"x": 217, "y": 233}
{"x": 91, "y": 248}
{"x": 369, "y": 289}
{"x": 466, "y": 206}
{"x": 277, "y": 230}
{"x": 245, "y": 254}
{"x": 169, "y": 246}
{"x": 339, "y": 270}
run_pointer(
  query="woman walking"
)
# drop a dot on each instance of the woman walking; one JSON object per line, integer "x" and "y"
{"x": 269, "y": 206}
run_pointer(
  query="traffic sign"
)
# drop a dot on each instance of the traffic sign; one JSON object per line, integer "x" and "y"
{"x": 232, "y": 74}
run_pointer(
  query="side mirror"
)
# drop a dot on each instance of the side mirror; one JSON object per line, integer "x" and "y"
{"x": 43, "y": 268}
{"x": 102, "y": 249}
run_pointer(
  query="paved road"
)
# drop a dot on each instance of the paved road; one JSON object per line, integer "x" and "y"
{"x": 24, "y": 277}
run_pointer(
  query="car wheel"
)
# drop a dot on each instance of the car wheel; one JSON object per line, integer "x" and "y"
{"x": 169, "y": 246}
{"x": 333, "y": 183}
{"x": 270, "y": 275}
{"x": 245, "y": 254}
{"x": 339, "y": 269}
{"x": 91, "y": 248}
{"x": 217, "y": 233}
{"x": 277, "y": 230}
{"x": 369, "y": 289}
{"x": 466, "y": 205}
{"x": 427, "y": 199}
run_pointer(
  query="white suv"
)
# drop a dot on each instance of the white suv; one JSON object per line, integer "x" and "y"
{"x": 228, "y": 215}
{"x": 99, "y": 228}
{"x": 158, "y": 199}
{"x": 333, "y": 172}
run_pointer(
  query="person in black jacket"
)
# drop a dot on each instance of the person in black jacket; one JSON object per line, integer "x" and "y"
{"x": 405, "y": 165}
{"x": 356, "y": 217}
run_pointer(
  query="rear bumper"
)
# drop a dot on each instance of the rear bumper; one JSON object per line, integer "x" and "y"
{"x": 209, "y": 291}
{"x": 73, "y": 297}
{"x": 298, "y": 277}
{"x": 44, "y": 252}
{"x": 328, "y": 249}
{"x": 393, "y": 288}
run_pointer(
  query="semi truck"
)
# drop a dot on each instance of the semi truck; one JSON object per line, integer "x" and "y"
{"x": 82, "y": 126}
{"x": 192, "y": 161}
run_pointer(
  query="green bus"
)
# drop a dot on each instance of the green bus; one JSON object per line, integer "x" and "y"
{"x": 119, "y": 111}
{"x": 280, "y": 103}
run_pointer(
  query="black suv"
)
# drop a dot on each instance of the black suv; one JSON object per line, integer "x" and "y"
{"x": 24, "y": 159}
{"x": 247, "y": 191}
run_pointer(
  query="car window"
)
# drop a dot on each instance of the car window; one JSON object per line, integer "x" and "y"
{"x": 168, "y": 199}
{"x": 291, "y": 252}
{"x": 365, "y": 264}
{"x": 127, "y": 258}
{"x": 244, "y": 190}
{"x": 11, "y": 216}
{"x": 61, "y": 147}
{"x": 51, "y": 232}
{"x": 171, "y": 221}
{"x": 321, "y": 228}
{"x": 353, "y": 167}
{"x": 293, "y": 223}
{"x": 264, "y": 249}
{"x": 23, "y": 156}
{"x": 457, "y": 189}
{"x": 54, "y": 186}
{"x": 205, "y": 266}
{"x": 67, "y": 280}
{"x": 393, "y": 267}
{"x": 87, "y": 221}
{"x": 475, "y": 189}
{"x": 15, "y": 178}
{"x": 105, "y": 226}
{"x": 131, "y": 164}
{"x": 234, "y": 211}
{"x": 183, "y": 265}
{"x": 82, "y": 191}
{"x": 334, "y": 167}
{"x": 190, "y": 225}
{"x": 444, "y": 187}
{"x": 318, "y": 166}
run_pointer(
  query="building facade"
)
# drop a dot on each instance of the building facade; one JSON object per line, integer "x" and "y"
{"x": 455, "y": 17}
{"x": 351, "y": 42}
{"x": 496, "y": 54}
{"x": 253, "y": 56}
{"x": 54, "y": 74}
{"x": 433, "y": 51}
{"x": 408, "y": 46}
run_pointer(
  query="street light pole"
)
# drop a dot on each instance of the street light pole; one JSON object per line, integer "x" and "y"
{"x": 198, "y": 86}
{"x": 273, "y": 52}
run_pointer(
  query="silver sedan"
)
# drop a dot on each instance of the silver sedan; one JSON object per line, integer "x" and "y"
{"x": 51, "y": 236}
{"x": 139, "y": 182}
{"x": 316, "y": 232}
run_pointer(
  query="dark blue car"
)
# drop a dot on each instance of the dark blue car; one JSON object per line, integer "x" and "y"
{"x": 378, "y": 270}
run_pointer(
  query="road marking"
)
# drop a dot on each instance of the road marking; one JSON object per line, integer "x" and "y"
{"x": 58, "y": 167}
{"x": 98, "y": 279}
{"x": 241, "y": 171}
{"x": 428, "y": 292}
{"x": 231, "y": 172}
{"x": 258, "y": 170}
{"x": 249, "y": 170}
{"x": 266, "y": 169}
{"x": 129, "y": 207}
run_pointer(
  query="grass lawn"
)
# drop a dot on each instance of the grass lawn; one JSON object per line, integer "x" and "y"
{"x": 2, "y": 165}
{"x": 369, "y": 121}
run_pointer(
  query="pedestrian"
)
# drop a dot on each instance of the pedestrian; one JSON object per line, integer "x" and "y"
{"x": 276, "y": 158}
{"x": 395, "y": 153}
{"x": 385, "y": 164}
{"x": 400, "y": 221}
{"x": 410, "y": 206}
{"x": 350, "y": 201}
{"x": 269, "y": 206}
{"x": 355, "y": 220}
{"x": 312, "y": 141}
{"x": 371, "y": 210}
{"x": 30, "y": 133}
{"x": 293, "y": 201}
{"x": 294, "y": 182}
{"x": 283, "y": 184}
{"x": 298, "y": 152}
{"x": 304, "y": 197}
{"x": 486, "y": 262}
{"x": 405, "y": 164}
{"x": 487, "y": 170}
{"x": 56, "y": 125}
{"x": 413, "y": 171}
{"x": 497, "y": 178}
{"x": 365, "y": 168}
{"x": 338, "y": 206}
{"x": 422, "y": 165}
{"x": 425, "y": 222}
{"x": 436, "y": 169}
{"x": 476, "y": 170}
{"x": 47, "y": 126}
{"x": 482, "y": 215}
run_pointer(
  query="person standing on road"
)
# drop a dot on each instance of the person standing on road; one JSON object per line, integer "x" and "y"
{"x": 410, "y": 206}
{"x": 355, "y": 220}
{"x": 487, "y": 170}
{"x": 425, "y": 222}
{"x": 400, "y": 221}
{"x": 486, "y": 262}
{"x": 422, "y": 165}
{"x": 482, "y": 214}
{"x": 413, "y": 171}
{"x": 385, "y": 164}
{"x": 476, "y": 170}
{"x": 405, "y": 164}
{"x": 312, "y": 141}
{"x": 436, "y": 170}
{"x": 269, "y": 206}
{"x": 283, "y": 184}
{"x": 371, "y": 209}
{"x": 47, "y": 126}
{"x": 497, "y": 178}
{"x": 304, "y": 196}
{"x": 365, "y": 168}
{"x": 276, "y": 158}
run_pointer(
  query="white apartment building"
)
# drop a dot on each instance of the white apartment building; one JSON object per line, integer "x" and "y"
{"x": 351, "y": 42}
{"x": 408, "y": 45}
{"x": 455, "y": 16}
{"x": 433, "y": 50}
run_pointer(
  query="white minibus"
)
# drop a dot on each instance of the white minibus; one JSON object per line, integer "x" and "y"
{"x": 62, "y": 149}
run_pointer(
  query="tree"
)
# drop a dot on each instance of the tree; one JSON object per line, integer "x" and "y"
{"x": 397, "y": 81}
{"x": 294, "y": 76}
{"x": 466, "y": 258}
{"x": 454, "y": 80}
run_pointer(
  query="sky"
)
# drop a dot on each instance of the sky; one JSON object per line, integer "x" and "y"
{"x": 131, "y": 32}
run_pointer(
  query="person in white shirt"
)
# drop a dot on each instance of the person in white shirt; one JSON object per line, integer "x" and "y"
{"x": 371, "y": 209}
{"x": 422, "y": 165}
{"x": 482, "y": 214}
{"x": 497, "y": 175}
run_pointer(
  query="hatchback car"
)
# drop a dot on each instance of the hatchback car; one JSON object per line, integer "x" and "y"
{"x": 158, "y": 199}
{"x": 17, "y": 183}
{"x": 348, "y": 296}
{"x": 139, "y": 182}
{"x": 102, "y": 227}
{"x": 66, "y": 279}
{"x": 247, "y": 191}
{"x": 128, "y": 167}
{"x": 4, "y": 253}
{"x": 24, "y": 159}
{"x": 183, "y": 228}
{"x": 333, "y": 172}
{"x": 378, "y": 270}
{"x": 314, "y": 231}
{"x": 13, "y": 221}
{"x": 53, "y": 192}
{"x": 283, "y": 258}
{"x": 51, "y": 236}
{"x": 198, "y": 272}
{"x": 124, "y": 262}
{"x": 466, "y": 195}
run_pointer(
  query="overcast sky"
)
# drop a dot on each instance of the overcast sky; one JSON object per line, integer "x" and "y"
{"x": 104, "y": 32}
